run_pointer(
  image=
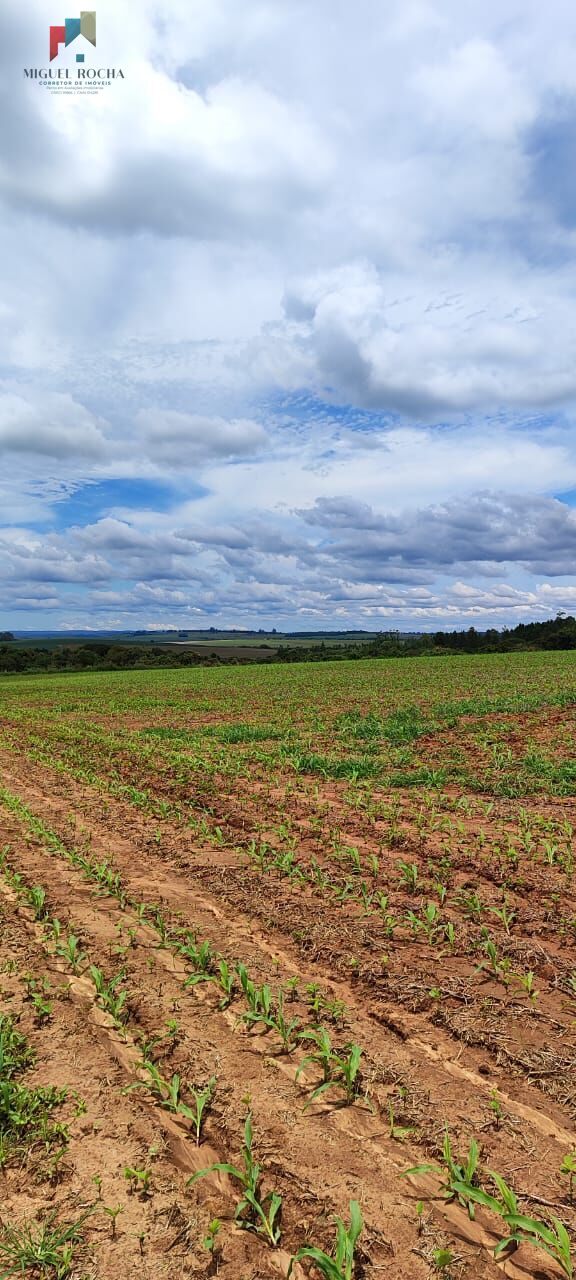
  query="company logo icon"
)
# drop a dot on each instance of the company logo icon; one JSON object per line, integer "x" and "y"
{"x": 85, "y": 26}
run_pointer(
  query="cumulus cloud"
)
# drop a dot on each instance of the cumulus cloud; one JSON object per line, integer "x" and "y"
{"x": 486, "y": 530}
{"x": 430, "y": 356}
{"x": 48, "y": 423}
{"x": 229, "y": 159}
{"x": 26, "y": 558}
{"x": 187, "y": 438}
{"x": 474, "y": 92}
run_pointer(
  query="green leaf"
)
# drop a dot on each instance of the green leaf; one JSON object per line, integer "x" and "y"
{"x": 354, "y": 1061}
{"x": 562, "y": 1234}
{"x": 216, "y": 1168}
{"x": 472, "y": 1160}
{"x": 325, "y": 1264}
{"x": 467, "y": 1192}
{"x": 356, "y": 1222}
{"x": 328, "y": 1084}
{"x": 505, "y": 1244}
{"x": 421, "y": 1168}
{"x": 532, "y": 1227}
{"x": 508, "y": 1197}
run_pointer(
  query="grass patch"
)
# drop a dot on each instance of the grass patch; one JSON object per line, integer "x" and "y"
{"x": 25, "y": 1114}
{"x": 239, "y": 732}
{"x": 159, "y": 731}
{"x": 41, "y": 1249}
{"x": 352, "y": 768}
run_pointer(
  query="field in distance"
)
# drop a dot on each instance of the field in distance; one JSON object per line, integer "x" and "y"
{"x": 316, "y": 924}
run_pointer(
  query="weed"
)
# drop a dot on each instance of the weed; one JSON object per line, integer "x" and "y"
{"x": 211, "y": 1242}
{"x": 442, "y": 1260}
{"x": 138, "y": 1180}
{"x": 496, "y": 1109}
{"x": 113, "y": 1212}
{"x": 568, "y": 1167}
{"x": 41, "y": 1248}
{"x": 24, "y": 1113}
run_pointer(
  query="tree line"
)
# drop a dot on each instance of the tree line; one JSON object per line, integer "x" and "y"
{"x": 554, "y": 633}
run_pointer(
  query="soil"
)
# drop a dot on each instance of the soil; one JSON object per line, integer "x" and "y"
{"x": 443, "y": 1033}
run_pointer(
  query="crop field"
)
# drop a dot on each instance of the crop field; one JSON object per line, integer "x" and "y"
{"x": 288, "y": 971}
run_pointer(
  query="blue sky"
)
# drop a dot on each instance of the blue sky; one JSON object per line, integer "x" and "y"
{"x": 287, "y": 326}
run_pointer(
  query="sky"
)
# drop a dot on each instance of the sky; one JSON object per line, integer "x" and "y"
{"x": 287, "y": 323}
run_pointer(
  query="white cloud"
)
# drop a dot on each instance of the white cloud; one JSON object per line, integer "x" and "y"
{"x": 475, "y": 93}
{"x": 304, "y": 259}
{"x": 48, "y": 423}
{"x": 183, "y": 439}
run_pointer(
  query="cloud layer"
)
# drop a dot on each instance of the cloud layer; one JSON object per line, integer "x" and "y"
{"x": 286, "y": 319}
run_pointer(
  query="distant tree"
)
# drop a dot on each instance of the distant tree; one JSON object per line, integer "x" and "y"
{"x": 6, "y": 635}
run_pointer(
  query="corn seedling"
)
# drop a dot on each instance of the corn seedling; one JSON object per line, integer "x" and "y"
{"x": 323, "y": 1054}
{"x": 70, "y": 950}
{"x": 340, "y": 1069}
{"x": 168, "y": 1094}
{"x": 504, "y": 915}
{"x": 159, "y": 923}
{"x": 526, "y": 981}
{"x": 259, "y": 1000}
{"x": 202, "y": 959}
{"x": 553, "y": 1240}
{"x": 246, "y": 983}
{"x": 341, "y": 1264}
{"x": 37, "y": 899}
{"x": 397, "y": 1131}
{"x": 471, "y": 904}
{"x": 408, "y": 875}
{"x": 225, "y": 980}
{"x": 273, "y": 1018}
{"x": 202, "y": 1101}
{"x": 458, "y": 1175}
{"x": 110, "y": 999}
{"x": 254, "y": 1211}
{"x": 498, "y": 966}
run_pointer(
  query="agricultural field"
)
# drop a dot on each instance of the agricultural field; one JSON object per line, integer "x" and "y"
{"x": 288, "y": 971}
